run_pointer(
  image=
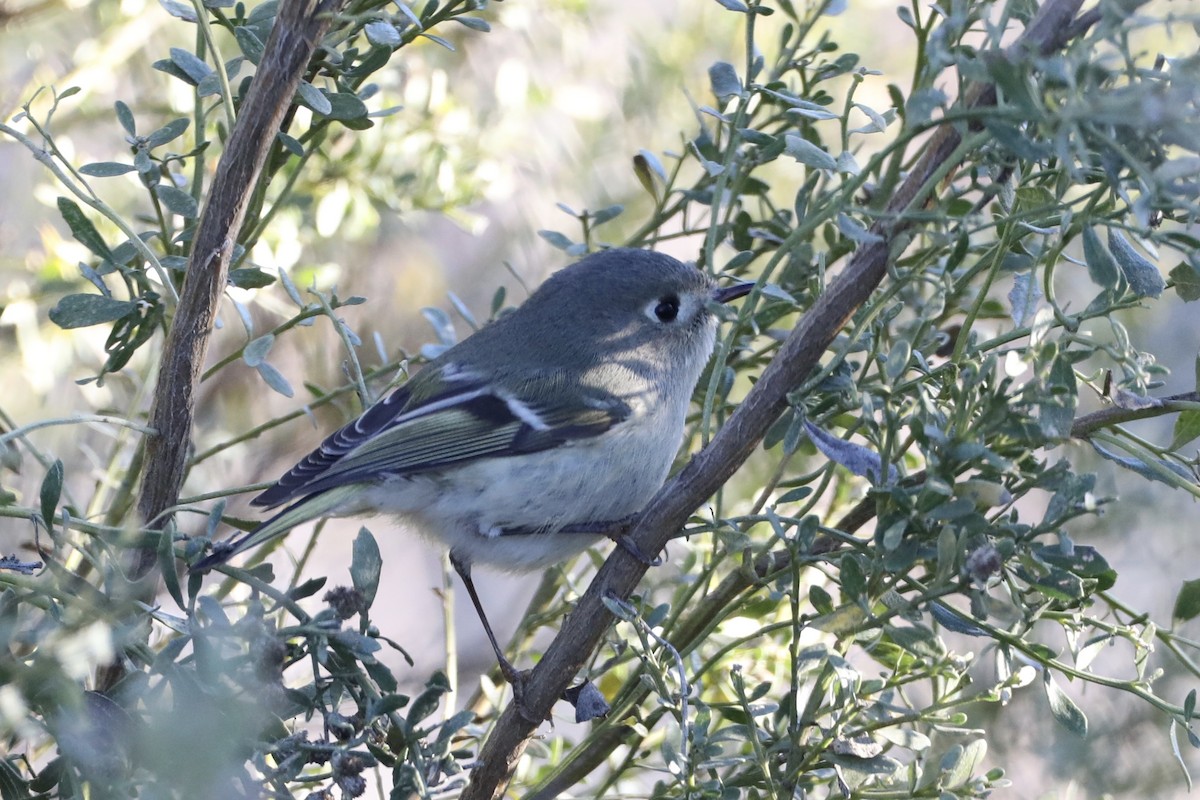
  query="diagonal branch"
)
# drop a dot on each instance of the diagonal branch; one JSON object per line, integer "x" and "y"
{"x": 298, "y": 29}
{"x": 705, "y": 474}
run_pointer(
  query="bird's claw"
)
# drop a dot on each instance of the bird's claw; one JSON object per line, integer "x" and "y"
{"x": 627, "y": 544}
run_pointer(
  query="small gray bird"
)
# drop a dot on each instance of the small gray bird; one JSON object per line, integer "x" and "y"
{"x": 530, "y": 440}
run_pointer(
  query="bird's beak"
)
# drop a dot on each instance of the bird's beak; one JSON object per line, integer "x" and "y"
{"x": 727, "y": 293}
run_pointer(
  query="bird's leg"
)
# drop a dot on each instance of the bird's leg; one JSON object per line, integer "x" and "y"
{"x": 618, "y": 531}
{"x": 463, "y": 568}
{"x": 515, "y": 677}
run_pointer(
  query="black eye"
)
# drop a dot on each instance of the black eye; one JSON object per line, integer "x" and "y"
{"x": 667, "y": 309}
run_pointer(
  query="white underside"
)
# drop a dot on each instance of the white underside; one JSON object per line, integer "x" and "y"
{"x": 467, "y": 508}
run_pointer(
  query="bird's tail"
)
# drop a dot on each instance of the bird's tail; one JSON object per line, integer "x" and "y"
{"x": 309, "y": 508}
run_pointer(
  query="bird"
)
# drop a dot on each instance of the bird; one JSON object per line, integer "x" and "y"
{"x": 534, "y": 438}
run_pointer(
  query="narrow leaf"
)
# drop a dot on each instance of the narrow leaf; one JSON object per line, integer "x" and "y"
{"x": 256, "y": 352}
{"x": 187, "y": 61}
{"x": 1102, "y": 267}
{"x": 274, "y": 378}
{"x": 168, "y": 133}
{"x": 125, "y": 116}
{"x": 51, "y": 491}
{"x": 82, "y": 228}
{"x": 1063, "y": 708}
{"x": 382, "y": 33}
{"x": 1187, "y": 602}
{"x": 860, "y": 460}
{"x": 106, "y": 169}
{"x": 1144, "y": 278}
{"x": 315, "y": 99}
{"x": 82, "y": 310}
{"x": 808, "y": 153}
{"x": 724, "y": 81}
{"x": 366, "y": 565}
{"x": 177, "y": 201}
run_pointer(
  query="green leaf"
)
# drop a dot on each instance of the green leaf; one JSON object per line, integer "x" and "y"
{"x": 171, "y": 68}
{"x": 1102, "y": 267}
{"x": 194, "y": 67}
{"x": 290, "y": 143}
{"x": 428, "y": 700}
{"x": 82, "y": 228}
{"x": 1144, "y": 278}
{"x": 1187, "y": 602}
{"x": 177, "y": 201}
{"x": 959, "y": 763}
{"x": 250, "y": 278}
{"x": 1063, "y": 708}
{"x": 382, "y": 33}
{"x": 1187, "y": 282}
{"x": 256, "y": 351}
{"x": 366, "y": 565}
{"x": 167, "y": 133}
{"x": 82, "y": 310}
{"x": 252, "y": 46}
{"x": 794, "y": 495}
{"x": 290, "y": 287}
{"x": 315, "y": 99}
{"x": 605, "y": 214}
{"x": 439, "y": 40}
{"x": 557, "y": 239}
{"x": 125, "y": 117}
{"x": 474, "y": 23}
{"x": 724, "y": 81}
{"x": 855, "y": 231}
{"x": 166, "y": 564}
{"x": 346, "y": 106}
{"x": 274, "y": 378}
{"x": 106, "y": 169}
{"x": 808, "y": 153}
{"x": 51, "y": 491}
{"x": 179, "y": 10}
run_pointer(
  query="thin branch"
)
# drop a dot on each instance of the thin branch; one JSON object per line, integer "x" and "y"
{"x": 298, "y": 29}
{"x": 1088, "y": 424}
{"x": 708, "y": 471}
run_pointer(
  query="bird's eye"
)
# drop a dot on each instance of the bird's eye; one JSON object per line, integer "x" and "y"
{"x": 667, "y": 309}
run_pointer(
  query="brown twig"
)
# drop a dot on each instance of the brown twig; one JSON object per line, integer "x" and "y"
{"x": 669, "y": 510}
{"x": 298, "y": 29}
{"x": 1088, "y": 424}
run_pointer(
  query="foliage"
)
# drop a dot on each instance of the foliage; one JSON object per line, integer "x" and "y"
{"x": 907, "y": 515}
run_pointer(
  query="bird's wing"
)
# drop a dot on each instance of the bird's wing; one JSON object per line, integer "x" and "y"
{"x": 407, "y": 433}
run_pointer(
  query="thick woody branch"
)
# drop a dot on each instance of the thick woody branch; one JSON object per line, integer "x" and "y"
{"x": 298, "y": 29}
{"x": 708, "y": 471}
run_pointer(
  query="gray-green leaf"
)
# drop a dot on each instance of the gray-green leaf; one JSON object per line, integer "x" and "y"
{"x": 82, "y": 228}
{"x": 82, "y": 310}
{"x": 366, "y": 565}
{"x": 723, "y": 79}
{"x": 314, "y": 98}
{"x": 106, "y": 169}
{"x": 195, "y": 68}
{"x": 382, "y": 33}
{"x": 1102, "y": 267}
{"x": 256, "y": 351}
{"x": 51, "y": 492}
{"x": 1069, "y": 715}
{"x": 808, "y": 153}
{"x": 1144, "y": 278}
{"x": 177, "y": 201}
{"x": 167, "y": 133}
{"x": 274, "y": 378}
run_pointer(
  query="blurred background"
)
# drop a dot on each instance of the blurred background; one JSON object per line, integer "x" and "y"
{"x": 446, "y": 197}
